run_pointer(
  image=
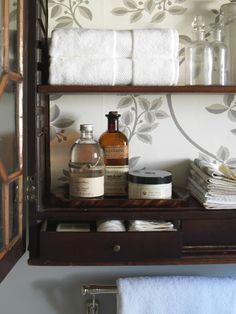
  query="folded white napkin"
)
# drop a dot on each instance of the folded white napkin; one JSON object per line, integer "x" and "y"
{"x": 156, "y": 71}
{"x": 177, "y": 295}
{"x": 210, "y": 176}
{"x": 150, "y": 225}
{"x": 217, "y": 197}
{"x": 84, "y": 71}
{"x": 209, "y": 203}
{"x": 78, "y": 42}
{"x": 155, "y": 43}
{"x": 217, "y": 186}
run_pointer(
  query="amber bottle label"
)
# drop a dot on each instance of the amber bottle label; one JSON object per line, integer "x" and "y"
{"x": 116, "y": 152}
{"x": 116, "y": 180}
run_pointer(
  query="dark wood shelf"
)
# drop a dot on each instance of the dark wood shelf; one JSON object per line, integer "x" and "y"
{"x": 83, "y": 214}
{"x": 172, "y": 209}
{"x": 225, "y": 255}
{"x": 51, "y": 89}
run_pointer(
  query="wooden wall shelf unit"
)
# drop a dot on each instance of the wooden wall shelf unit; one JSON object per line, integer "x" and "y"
{"x": 201, "y": 236}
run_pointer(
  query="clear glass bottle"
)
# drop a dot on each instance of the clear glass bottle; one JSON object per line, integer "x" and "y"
{"x": 228, "y": 11}
{"x": 115, "y": 146}
{"x": 199, "y": 56}
{"x": 86, "y": 166}
{"x": 220, "y": 74}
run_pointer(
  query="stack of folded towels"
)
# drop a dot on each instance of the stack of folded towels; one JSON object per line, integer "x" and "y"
{"x": 212, "y": 184}
{"x": 109, "y": 57}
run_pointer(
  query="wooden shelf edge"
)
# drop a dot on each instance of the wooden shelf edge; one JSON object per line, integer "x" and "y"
{"x": 51, "y": 89}
{"x": 143, "y": 215}
{"x": 185, "y": 260}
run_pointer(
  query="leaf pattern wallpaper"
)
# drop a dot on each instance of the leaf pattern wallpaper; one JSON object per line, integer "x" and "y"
{"x": 164, "y": 131}
{"x": 69, "y": 13}
{"x": 157, "y": 10}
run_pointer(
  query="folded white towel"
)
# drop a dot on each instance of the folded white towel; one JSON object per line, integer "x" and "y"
{"x": 177, "y": 294}
{"x": 84, "y": 71}
{"x": 154, "y": 43}
{"x": 78, "y": 42}
{"x": 156, "y": 71}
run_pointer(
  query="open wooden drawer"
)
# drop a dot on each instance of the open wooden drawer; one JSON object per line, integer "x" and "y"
{"x": 107, "y": 247}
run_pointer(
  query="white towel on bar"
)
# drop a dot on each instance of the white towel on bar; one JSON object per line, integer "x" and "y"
{"x": 155, "y": 43}
{"x": 177, "y": 295}
{"x": 84, "y": 71}
{"x": 156, "y": 71}
{"x": 78, "y": 42}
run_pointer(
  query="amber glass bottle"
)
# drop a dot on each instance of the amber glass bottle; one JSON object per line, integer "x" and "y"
{"x": 115, "y": 146}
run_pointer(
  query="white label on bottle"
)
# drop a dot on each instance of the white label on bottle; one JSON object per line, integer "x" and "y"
{"x": 150, "y": 191}
{"x": 116, "y": 180}
{"x": 86, "y": 187}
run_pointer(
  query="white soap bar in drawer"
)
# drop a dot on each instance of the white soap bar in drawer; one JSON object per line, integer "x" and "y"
{"x": 73, "y": 227}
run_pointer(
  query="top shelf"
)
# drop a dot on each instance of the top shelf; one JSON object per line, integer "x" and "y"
{"x": 51, "y": 89}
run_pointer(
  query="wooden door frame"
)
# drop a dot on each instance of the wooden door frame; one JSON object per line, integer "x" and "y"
{"x": 13, "y": 248}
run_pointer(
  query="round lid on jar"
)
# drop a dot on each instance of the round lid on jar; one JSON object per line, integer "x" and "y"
{"x": 150, "y": 176}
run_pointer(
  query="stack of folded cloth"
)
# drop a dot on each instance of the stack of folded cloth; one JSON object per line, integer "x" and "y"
{"x": 109, "y": 57}
{"x": 147, "y": 225}
{"x": 110, "y": 226}
{"x": 212, "y": 184}
{"x": 155, "y": 53}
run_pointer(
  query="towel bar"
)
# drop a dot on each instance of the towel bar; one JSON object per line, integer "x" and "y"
{"x": 98, "y": 289}
{"x": 92, "y": 305}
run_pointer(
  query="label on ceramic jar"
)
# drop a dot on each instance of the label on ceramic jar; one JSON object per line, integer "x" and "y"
{"x": 116, "y": 180}
{"x": 150, "y": 191}
{"x": 86, "y": 187}
{"x": 116, "y": 152}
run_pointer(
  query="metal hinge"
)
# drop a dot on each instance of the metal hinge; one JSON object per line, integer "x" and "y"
{"x": 30, "y": 188}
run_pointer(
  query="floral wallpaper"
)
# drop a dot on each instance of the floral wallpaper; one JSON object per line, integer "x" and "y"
{"x": 157, "y": 10}
{"x": 164, "y": 131}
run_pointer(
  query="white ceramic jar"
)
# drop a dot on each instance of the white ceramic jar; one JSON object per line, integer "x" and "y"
{"x": 150, "y": 184}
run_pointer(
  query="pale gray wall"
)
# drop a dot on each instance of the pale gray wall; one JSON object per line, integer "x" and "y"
{"x": 57, "y": 290}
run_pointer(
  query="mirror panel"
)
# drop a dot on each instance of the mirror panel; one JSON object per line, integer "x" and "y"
{"x": 13, "y": 55}
{"x": 8, "y": 131}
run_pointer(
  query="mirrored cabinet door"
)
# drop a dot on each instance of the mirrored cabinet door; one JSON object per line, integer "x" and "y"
{"x": 11, "y": 133}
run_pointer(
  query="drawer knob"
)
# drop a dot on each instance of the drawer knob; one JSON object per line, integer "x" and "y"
{"x": 116, "y": 248}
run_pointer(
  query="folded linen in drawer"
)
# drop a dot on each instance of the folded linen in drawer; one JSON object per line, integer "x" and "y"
{"x": 84, "y": 71}
{"x": 77, "y": 42}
